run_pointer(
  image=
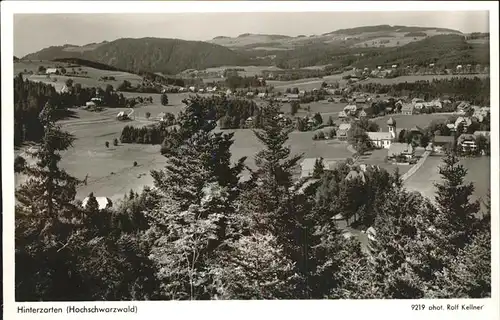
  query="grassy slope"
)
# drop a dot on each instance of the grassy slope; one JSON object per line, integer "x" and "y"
{"x": 91, "y": 79}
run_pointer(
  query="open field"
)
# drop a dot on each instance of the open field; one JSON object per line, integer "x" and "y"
{"x": 300, "y": 143}
{"x": 110, "y": 170}
{"x": 408, "y": 121}
{"x": 324, "y": 107}
{"x": 423, "y": 180}
{"x": 307, "y": 84}
{"x": 250, "y": 71}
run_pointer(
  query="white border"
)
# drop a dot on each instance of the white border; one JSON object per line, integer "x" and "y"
{"x": 237, "y": 309}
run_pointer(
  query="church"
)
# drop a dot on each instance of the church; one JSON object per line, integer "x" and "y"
{"x": 384, "y": 139}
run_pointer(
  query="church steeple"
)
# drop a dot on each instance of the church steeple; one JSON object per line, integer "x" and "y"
{"x": 391, "y": 123}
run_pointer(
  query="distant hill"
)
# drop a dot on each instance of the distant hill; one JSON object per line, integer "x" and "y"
{"x": 388, "y": 28}
{"x": 446, "y": 49}
{"x": 168, "y": 56}
{"x": 443, "y": 50}
{"x": 16, "y": 58}
{"x": 367, "y": 36}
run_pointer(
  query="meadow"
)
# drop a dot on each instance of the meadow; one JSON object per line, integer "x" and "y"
{"x": 110, "y": 170}
{"x": 326, "y": 109}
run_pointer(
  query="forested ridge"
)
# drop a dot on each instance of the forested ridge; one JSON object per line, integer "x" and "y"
{"x": 475, "y": 90}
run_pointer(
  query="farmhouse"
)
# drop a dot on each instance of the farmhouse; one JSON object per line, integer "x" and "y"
{"x": 96, "y": 100}
{"x": 249, "y": 122}
{"x": 463, "y": 105}
{"x": 293, "y": 97}
{"x": 90, "y": 104}
{"x": 467, "y": 142}
{"x": 352, "y": 109}
{"x": 52, "y": 71}
{"x": 440, "y": 143}
{"x": 262, "y": 95}
{"x": 250, "y": 94}
{"x": 342, "y": 114}
{"x": 103, "y": 202}
{"x": 401, "y": 149}
{"x": 407, "y": 109}
{"x": 451, "y": 126}
{"x": 465, "y": 122}
{"x": 342, "y": 131}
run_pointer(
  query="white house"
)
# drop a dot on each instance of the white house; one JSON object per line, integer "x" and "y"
{"x": 380, "y": 139}
{"x": 351, "y": 109}
{"x": 342, "y": 131}
{"x": 52, "y": 71}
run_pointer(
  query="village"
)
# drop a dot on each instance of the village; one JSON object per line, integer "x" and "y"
{"x": 348, "y": 162}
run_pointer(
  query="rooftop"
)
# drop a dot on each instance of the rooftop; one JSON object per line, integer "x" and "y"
{"x": 379, "y": 135}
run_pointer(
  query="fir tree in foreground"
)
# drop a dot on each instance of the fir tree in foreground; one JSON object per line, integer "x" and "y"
{"x": 457, "y": 213}
{"x": 198, "y": 188}
{"x": 45, "y": 220}
{"x": 65, "y": 253}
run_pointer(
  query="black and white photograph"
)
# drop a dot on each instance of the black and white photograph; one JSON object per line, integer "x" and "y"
{"x": 325, "y": 155}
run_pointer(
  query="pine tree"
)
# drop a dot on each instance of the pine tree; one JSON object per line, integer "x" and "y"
{"x": 330, "y": 122}
{"x": 164, "y": 99}
{"x": 45, "y": 220}
{"x": 456, "y": 217}
{"x": 198, "y": 187}
{"x": 254, "y": 267}
{"x": 274, "y": 203}
{"x": 92, "y": 206}
{"x": 319, "y": 168}
{"x": 274, "y": 162}
{"x": 402, "y": 261}
{"x": 468, "y": 275}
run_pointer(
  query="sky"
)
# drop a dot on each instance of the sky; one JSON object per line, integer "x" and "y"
{"x": 33, "y": 32}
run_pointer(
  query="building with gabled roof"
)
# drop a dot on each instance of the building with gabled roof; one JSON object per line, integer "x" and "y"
{"x": 380, "y": 139}
{"x": 403, "y": 149}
